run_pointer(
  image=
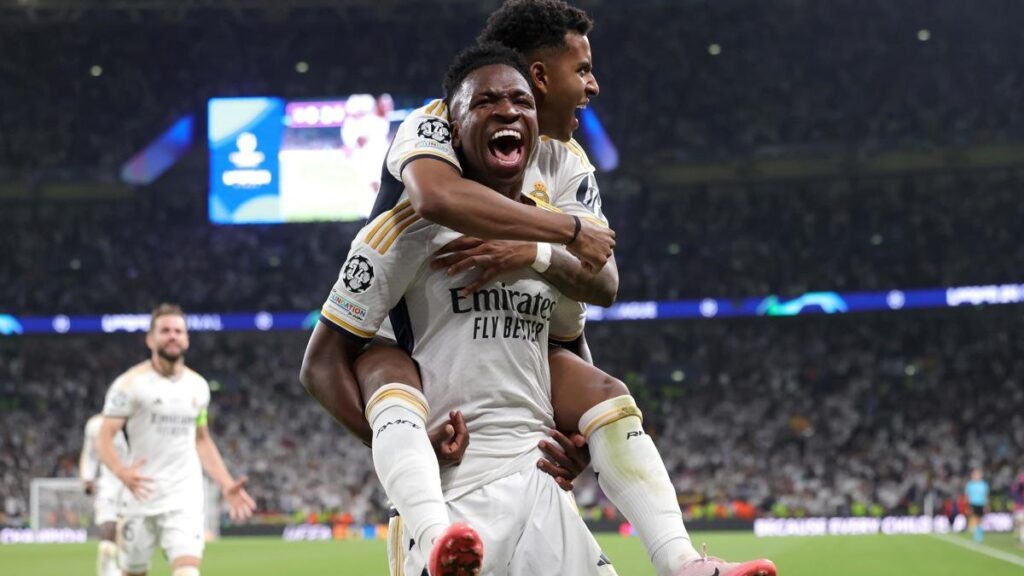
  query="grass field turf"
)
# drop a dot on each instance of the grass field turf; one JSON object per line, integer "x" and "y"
{"x": 804, "y": 556}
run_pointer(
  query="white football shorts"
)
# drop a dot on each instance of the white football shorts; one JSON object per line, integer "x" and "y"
{"x": 178, "y": 533}
{"x": 529, "y": 527}
{"x": 106, "y": 502}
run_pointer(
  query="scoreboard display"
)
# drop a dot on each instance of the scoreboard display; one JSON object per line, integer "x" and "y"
{"x": 276, "y": 161}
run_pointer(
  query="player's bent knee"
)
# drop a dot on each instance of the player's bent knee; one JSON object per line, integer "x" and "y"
{"x": 609, "y": 388}
{"x": 396, "y": 394}
{"x": 185, "y": 566}
{"x": 381, "y": 365}
{"x": 108, "y": 531}
{"x": 108, "y": 548}
{"x": 608, "y": 412}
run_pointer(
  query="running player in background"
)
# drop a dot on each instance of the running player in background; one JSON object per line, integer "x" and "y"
{"x": 162, "y": 407}
{"x": 976, "y": 492}
{"x": 105, "y": 489}
{"x": 1017, "y": 496}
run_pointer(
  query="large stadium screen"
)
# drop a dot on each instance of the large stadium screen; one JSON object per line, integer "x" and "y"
{"x": 274, "y": 161}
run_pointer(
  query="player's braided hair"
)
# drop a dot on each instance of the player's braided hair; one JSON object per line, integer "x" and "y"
{"x": 477, "y": 57}
{"x": 529, "y": 25}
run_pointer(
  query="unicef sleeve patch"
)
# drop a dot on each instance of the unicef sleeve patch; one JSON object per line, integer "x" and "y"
{"x": 358, "y": 274}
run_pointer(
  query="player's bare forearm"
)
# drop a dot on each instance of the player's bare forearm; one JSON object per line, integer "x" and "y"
{"x": 570, "y": 277}
{"x": 105, "y": 444}
{"x": 327, "y": 374}
{"x": 440, "y": 194}
{"x": 210, "y": 458}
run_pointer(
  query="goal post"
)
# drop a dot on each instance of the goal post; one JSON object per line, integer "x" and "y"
{"x": 63, "y": 503}
{"x": 59, "y": 503}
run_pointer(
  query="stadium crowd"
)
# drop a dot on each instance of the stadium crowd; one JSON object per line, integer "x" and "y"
{"x": 845, "y": 415}
{"x": 787, "y": 416}
{"x": 717, "y": 80}
{"x": 718, "y": 241}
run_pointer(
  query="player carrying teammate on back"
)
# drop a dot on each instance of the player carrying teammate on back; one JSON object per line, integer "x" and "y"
{"x": 489, "y": 318}
{"x": 162, "y": 406}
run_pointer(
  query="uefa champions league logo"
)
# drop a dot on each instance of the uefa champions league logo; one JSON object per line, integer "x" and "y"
{"x": 436, "y": 130}
{"x": 358, "y": 274}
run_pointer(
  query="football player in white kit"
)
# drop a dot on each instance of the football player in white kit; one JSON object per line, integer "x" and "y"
{"x": 105, "y": 489}
{"x": 161, "y": 405}
{"x": 483, "y": 352}
{"x": 553, "y": 37}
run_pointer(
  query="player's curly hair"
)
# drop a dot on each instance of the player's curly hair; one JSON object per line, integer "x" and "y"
{"x": 477, "y": 57}
{"x": 529, "y": 25}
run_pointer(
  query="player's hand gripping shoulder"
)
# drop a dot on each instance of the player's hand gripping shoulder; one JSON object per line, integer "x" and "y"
{"x": 593, "y": 245}
{"x": 566, "y": 459}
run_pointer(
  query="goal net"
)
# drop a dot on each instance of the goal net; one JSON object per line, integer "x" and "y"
{"x": 62, "y": 503}
{"x": 59, "y": 503}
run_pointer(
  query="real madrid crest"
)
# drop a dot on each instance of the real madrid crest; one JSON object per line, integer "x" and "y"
{"x": 540, "y": 192}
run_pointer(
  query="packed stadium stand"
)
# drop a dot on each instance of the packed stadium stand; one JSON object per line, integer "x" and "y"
{"x": 853, "y": 415}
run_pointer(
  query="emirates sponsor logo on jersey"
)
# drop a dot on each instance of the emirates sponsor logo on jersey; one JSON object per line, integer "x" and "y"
{"x": 173, "y": 425}
{"x": 522, "y": 315}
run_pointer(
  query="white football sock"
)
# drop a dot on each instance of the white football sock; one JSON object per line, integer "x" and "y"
{"x": 405, "y": 461}
{"x": 185, "y": 571}
{"x": 633, "y": 476}
{"x": 106, "y": 559}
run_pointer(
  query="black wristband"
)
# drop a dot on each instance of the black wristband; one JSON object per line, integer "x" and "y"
{"x": 576, "y": 232}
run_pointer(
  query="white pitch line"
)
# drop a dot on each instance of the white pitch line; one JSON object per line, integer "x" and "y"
{"x": 981, "y": 549}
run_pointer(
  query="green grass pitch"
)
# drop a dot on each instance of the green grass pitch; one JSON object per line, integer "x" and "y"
{"x": 806, "y": 556}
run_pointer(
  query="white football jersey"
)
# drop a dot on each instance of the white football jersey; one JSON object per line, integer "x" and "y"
{"x": 559, "y": 178}
{"x": 90, "y": 468}
{"x": 484, "y": 353}
{"x": 162, "y": 415}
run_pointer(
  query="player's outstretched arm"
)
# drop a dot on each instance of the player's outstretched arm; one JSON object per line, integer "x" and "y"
{"x": 440, "y": 194}
{"x": 565, "y": 272}
{"x": 240, "y": 504}
{"x": 327, "y": 374}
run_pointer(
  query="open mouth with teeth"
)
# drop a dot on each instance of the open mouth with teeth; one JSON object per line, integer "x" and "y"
{"x": 507, "y": 147}
{"x": 579, "y": 114}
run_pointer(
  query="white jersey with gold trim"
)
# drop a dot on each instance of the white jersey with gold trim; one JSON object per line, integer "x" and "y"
{"x": 559, "y": 174}
{"x": 484, "y": 353}
{"x": 162, "y": 415}
{"x": 559, "y": 178}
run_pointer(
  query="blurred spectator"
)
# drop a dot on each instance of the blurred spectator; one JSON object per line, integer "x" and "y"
{"x": 889, "y": 409}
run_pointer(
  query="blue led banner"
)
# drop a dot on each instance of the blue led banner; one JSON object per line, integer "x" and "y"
{"x": 803, "y": 305}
